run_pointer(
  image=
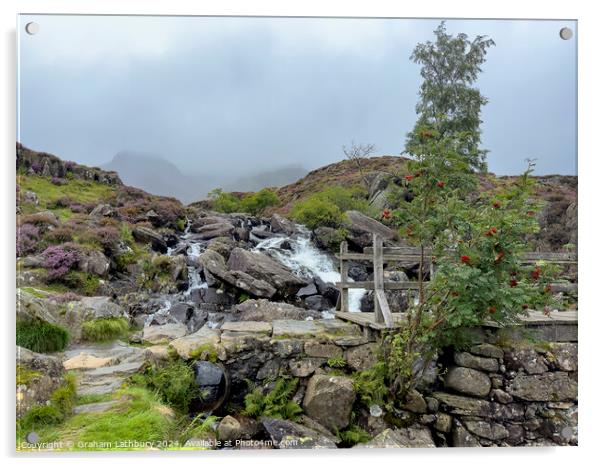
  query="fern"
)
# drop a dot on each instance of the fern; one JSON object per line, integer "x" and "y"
{"x": 353, "y": 435}
{"x": 277, "y": 403}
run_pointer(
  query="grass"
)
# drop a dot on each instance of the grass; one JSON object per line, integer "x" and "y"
{"x": 174, "y": 382}
{"x": 38, "y": 293}
{"x": 137, "y": 417}
{"x": 105, "y": 329}
{"x": 41, "y": 337}
{"x": 79, "y": 191}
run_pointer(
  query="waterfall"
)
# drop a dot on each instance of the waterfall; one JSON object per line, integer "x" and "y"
{"x": 306, "y": 260}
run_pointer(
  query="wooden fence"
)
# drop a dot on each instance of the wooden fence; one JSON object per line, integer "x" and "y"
{"x": 380, "y": 255}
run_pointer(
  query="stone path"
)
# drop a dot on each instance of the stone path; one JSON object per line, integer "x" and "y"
{"x": 101, "y": 368}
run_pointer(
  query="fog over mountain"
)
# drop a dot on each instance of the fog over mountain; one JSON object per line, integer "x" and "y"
{"x": 159, "y": 176}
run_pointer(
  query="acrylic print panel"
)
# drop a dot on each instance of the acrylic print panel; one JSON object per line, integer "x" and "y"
{"x": 247, "y": 232}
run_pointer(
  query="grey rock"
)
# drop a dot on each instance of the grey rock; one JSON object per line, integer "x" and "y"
{"x": 157, "y": 334}
{"x": 443, "y": 422}
{"x": 487, "y": 429}
{"x": 411, "y": 437}
{"x": 525, "y": 358}
{"x": 501, "y": 396}
{"x": 363, "y": 357}
{"x": 329, "y": 400}
{"x": 212, "y": 381}
{"x": 564, "y": 356}
{"x": 288, "y": 434}
{"x": 469, "y": 381}
{"x": 214, "y": 230}
{"x": 268, "y": 311}
{"x": 551, "y": 386}
{"x": 282, "y": 225}
{"x": 488, "y": 350}
{"x": 317, "y": 303}
{"x": 94, "y": 262}
{"x": 305, "y": 367}
{"x": 322, "y": 350}
{"x": 147, "y": 235}
{"x": 462, "y": 438}
{"x": 415, "y": 402}
{"x": 203, "y": 338}
{"x": 308, "y": 290}
{"x": 264, "y": 268}
{"x": 476, "y": 362}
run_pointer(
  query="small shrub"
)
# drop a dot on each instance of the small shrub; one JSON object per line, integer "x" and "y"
{"x": 256, "y": 203}
{"x": 174, "y": 382}
{"x": 327, "y": 207}
{"x": 59, "y": 260}
{"x": 277, "y": 403}
{"x": 104, "y": 329}
{"x": 371, "y": 385}
{"x": 224, "y": 202}
{"x": 28, "y": 236}
{"x": 85, "y": 283}
{"x": 41, "y": 336}
{"x": 59, "y": 235}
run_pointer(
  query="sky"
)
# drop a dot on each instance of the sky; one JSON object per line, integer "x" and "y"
{"x": 240, "y": 95}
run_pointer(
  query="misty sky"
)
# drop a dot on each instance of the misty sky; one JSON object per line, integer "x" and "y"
{"x": 241, "y": 95}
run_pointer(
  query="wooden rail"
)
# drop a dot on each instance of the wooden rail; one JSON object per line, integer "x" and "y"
{"x": 379, "y": 255}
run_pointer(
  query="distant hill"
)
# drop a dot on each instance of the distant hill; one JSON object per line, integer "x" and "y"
{"x": 274, "y": 178}
{"x": 158, "y": 176}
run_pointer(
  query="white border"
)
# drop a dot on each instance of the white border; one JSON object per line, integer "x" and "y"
{"x": 590, "y": 154}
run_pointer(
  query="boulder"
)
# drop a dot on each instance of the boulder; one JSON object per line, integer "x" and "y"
{"x": 327, "y": 238}
{"x": 94, "y": 262}
{"x": 288, "y": 434}
{"x": 329, "y": 400}
{"x": 308, "y": 290}
{"x": 328, "y": 290}
{"x": 213, "y": 384}
{"x": 157, "y": 334}
{"x": 233, "y": 428}
{"x": 215, "y": 264}
{"x": 268, "y": 311}
{"x": 551, "y": 386}
{"x": 282, "y": 225}
{"x": 215, "y": 230}
{"x": 181, "y": 312}
{"x": 361, "y": 228}
{"x": 103, "y": 210}
{"x": 264, "y": 268}
{"x": 204, "y": 338}
{"x": 147, "y": 235}
{"x": 322, "y": 350}
{"x": 411, "y": 437}
{"x": 38, "y": 376}
{"x": 468, "y": 381}
{"x": 317, "y": 303}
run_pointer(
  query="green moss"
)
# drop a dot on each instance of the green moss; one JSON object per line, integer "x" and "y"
{"x": 25, "y": 375}
{"x": 87, "y": 399}
{"x": 35, "y": 292}
{"x": 105, "y": 329}
{"x": 41, "y": 337}
{"x": 206, "y": 352}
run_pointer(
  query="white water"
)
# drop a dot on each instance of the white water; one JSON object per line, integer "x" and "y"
{"x": 307, "y": 260}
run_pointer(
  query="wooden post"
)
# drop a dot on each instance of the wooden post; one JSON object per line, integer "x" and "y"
{"x": 344, "y": 268}
{"x": 378, "y": 276}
